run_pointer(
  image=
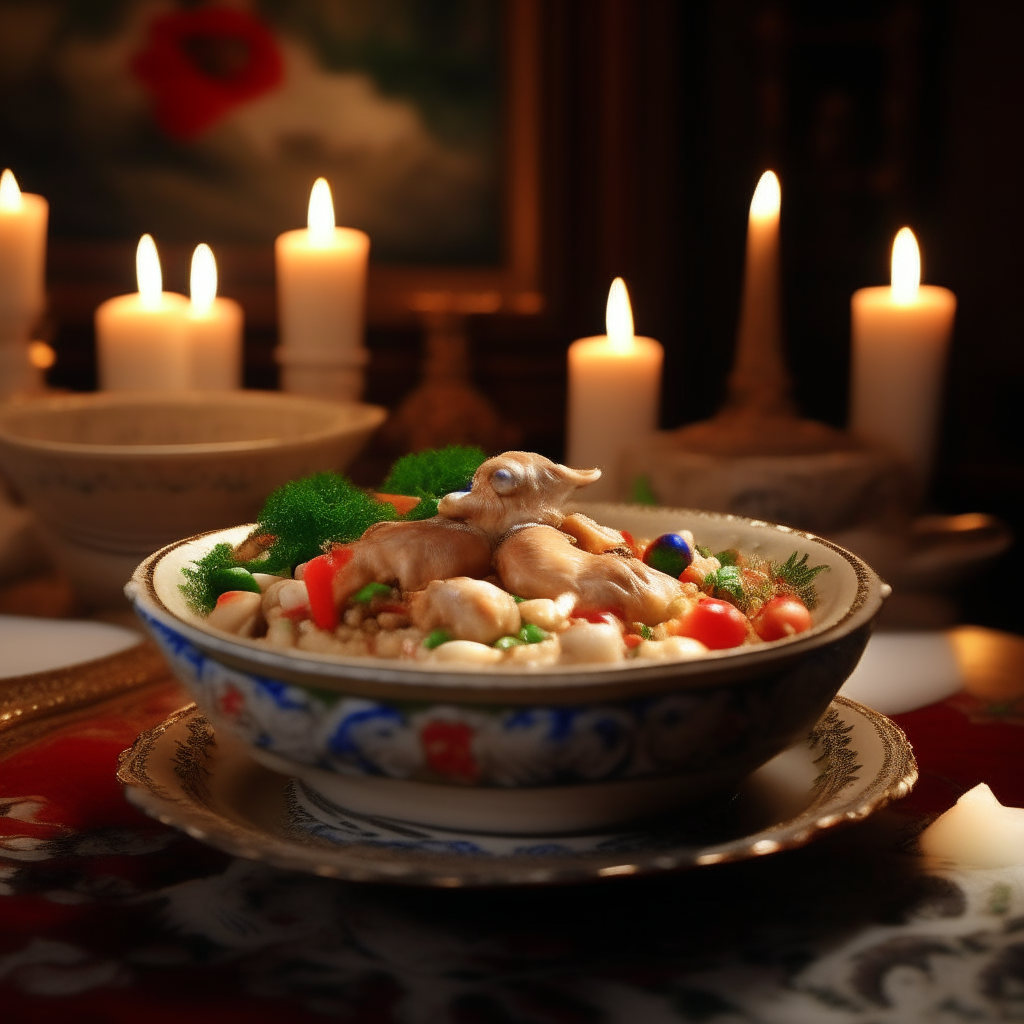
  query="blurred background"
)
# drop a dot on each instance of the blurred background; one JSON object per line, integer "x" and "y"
{"x": 649, "y": 123}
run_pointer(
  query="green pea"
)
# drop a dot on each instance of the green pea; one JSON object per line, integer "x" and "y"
{"x": 369, "y": 592}
{"x": 234, "y": 578}
{"x": 505, "y": 642}
{"x": 531, "y": 633}
{"x": 436, "y": 637}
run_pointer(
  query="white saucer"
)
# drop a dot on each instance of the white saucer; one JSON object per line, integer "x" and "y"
{"x": 31, "y": 645}
{"x": 854, "y": 762}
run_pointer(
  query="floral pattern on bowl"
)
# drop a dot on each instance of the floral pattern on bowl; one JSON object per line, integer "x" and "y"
{"x": 693, "y": 731}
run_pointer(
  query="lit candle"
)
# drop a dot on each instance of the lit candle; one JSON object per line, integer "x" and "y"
{"x": 142, "y": 339}
{"x": 214, "y": 327}
{"x": 900, "y": 340}
{"x": 614, "y": 388}
{"x": 759, "y": 382}
{"x": 321, "y": 295}
{"x": 977, "y": 831}
{"x": 23, "y": 219}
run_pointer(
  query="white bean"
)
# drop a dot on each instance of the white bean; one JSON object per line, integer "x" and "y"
{"x": 293, "y": 595}
{"x": 237, "y": 612}
{"x": 465, "y": 652}
{"x": 593, "y": 642}
{"x": 552, "y": 616}
{"x": 674, "y": 648}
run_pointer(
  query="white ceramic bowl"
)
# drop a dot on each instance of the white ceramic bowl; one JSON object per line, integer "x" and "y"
{"x": 111, "y": 476}
{"x": 526, "y": 752}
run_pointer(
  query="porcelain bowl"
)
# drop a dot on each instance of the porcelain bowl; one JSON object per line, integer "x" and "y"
{"x": 560, "y": 749}
{"x": 111, "y": 476}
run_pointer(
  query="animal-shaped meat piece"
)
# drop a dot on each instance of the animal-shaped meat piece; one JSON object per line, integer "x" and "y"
{"x": 541, "y": 561}
{"x": 515, "y": 489}
{"x": 517, "y": 499}
{"x": 410, "y": 555}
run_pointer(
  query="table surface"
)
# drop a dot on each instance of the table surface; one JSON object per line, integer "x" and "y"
{"x": 106, "y": 915}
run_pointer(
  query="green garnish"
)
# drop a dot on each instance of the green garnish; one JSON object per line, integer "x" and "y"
{"x": 703, "y": 551}
{"x": 307, "y": 514}
{"x": 369, "y": 592}
{"x": 430, "y": 475}
{"x": 505, "y": 642}
{"x": 797, "y": 577}
{"x": 531, "y": 633}
{"x": 235, "y": 578}
{"x": 728, "y": 557}
{"x": 517, "y": 599}
{"x": 436, "y": 637}
{"x": 201, "y": 591}
{"x": 646, "y": 632}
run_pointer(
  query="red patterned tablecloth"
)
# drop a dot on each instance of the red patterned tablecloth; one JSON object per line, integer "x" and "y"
{"x": 106, "y": 915}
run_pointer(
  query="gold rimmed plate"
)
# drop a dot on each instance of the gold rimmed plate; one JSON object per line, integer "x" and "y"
{"x": 853, "y": 762}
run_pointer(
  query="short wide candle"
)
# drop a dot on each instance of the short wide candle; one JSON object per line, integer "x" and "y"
{"x": 142, "y": 339}
{"x": 900, "y": 339}
{"x": 614, "y": 390}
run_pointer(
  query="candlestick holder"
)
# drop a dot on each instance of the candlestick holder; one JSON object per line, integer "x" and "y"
{"x": 333, "y": 378}
{"x": 20, "y": 374}
{"x": 445, "y": 408}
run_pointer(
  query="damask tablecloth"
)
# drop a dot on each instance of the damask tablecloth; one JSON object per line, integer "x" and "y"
{"x": 108, "y": 916}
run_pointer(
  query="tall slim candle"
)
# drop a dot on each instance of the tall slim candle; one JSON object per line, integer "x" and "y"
{"x": 142, "y": 338}
{"x": 23, "y": 218}
{"x": 214, "y": 329}
{"x": 614, "y": 390}
{"x": 900, "y": 339}
{"x": 759, "y": 381}
{"x": 321, "y": 295}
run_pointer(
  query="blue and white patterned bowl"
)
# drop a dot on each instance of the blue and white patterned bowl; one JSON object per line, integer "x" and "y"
{"x": 523, "y": 751}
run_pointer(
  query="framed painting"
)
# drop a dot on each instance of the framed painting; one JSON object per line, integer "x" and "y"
{"x": 209, "y": 122}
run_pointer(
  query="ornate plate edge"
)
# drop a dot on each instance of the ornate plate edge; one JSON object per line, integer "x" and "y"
{"x": 894, "y": 779}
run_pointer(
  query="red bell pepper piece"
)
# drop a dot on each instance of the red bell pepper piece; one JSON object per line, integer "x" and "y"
{"x": 319, "y": 580}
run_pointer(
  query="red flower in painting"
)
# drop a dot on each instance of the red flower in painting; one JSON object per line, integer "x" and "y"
{"x": 197, "y": 65}
{"x": 448, "y": 747}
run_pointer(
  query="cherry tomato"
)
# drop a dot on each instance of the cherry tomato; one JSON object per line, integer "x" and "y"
{"x": 785, "y": 615}
{"x": 319, "y": 580}
{"x": 716, "y": 624}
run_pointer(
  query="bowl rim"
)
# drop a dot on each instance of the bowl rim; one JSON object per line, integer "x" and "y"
{"x": 401, "y": 680}
{"x": 340, "y": 418}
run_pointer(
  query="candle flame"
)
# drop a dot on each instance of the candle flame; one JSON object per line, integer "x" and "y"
{"x": 767, "y": 199}
{"x": 906, "y": 267}
{"x": 10, "y": 194}
{"x": 618, "y": 317}
{"x": 320, "y": 218}
{"x": 147, "y": 272}
{"x": 203, "y": 280}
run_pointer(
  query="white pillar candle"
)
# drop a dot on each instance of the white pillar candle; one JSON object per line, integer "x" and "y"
{"x": 142, "y": 339}
{"x": 23, "y": 218}
{"x": 614, "y": 390}
{"x": 977, "y": 832}
{"x": 214, "y": 329}
{"x": 759, "y": 381}
{"x": 321, "y": 297}
{"x": 900, "y": 339}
